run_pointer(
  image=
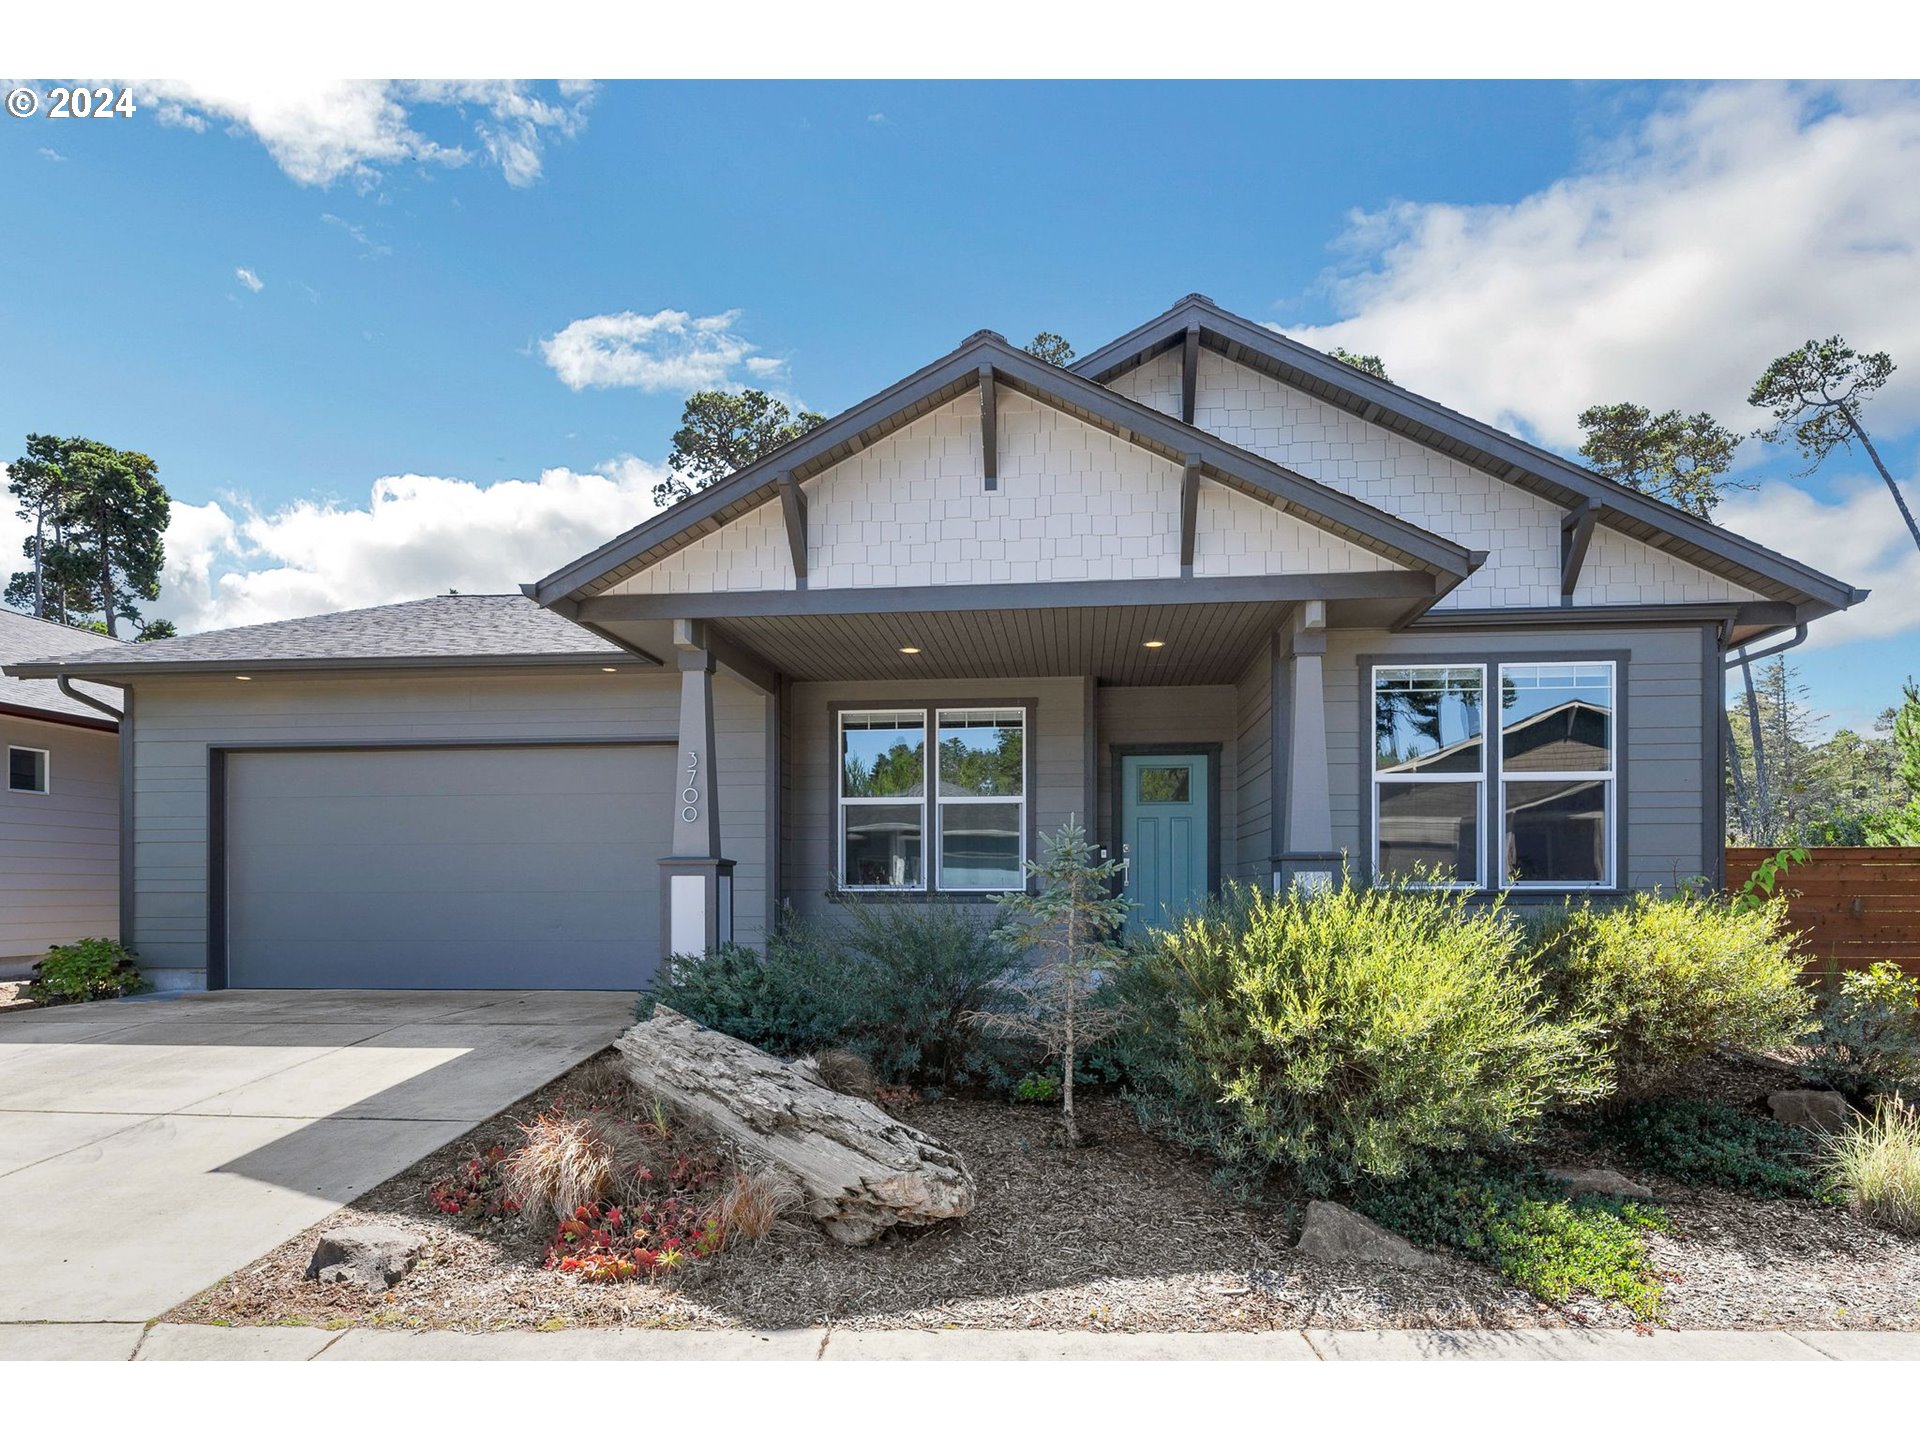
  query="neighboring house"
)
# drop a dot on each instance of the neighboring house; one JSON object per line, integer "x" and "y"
{"x": 60, "y": 808}
{"x": 1241, "y": 609}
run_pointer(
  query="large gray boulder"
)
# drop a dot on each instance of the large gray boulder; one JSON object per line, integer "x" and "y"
{"x": 375, "y": 1257}
{"x": 1819, "y": 1110}
{"x": 1576, "y": 1182}
{"x": 1333, "y": 1232}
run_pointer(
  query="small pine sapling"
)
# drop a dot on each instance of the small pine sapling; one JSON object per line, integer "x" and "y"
{"x": 1069, "y": 926}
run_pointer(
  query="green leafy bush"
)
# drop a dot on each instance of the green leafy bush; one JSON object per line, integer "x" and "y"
{"x": 1515, "y": 1219}
{"x": 1347, "y": 1033}
{"x": 1703, "y": 1143}
{"x": 93, "y": 969}
{"x": 897, "y": 984}
{"x": 1674, "y": 978}
{"x": 1877, "y": 1165}
{"x": 1868, "y": 1038}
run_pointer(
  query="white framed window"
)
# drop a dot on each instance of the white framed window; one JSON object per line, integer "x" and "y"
{"x": 1558, "y": 766}
{"x": 883, "y": 799}
{"x": 29, "y": 771}
{"x": 933, "y": 799}
{"x": 1429, "y": 774}
{"x": 981, "y": 786}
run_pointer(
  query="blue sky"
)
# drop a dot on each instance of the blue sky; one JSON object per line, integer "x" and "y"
{"x": 414, "y": 259}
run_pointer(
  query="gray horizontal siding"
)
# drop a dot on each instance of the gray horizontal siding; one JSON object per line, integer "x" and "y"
{"x": 60, "y": 852}
{"x": 179, "y": 720}
{"x": 1671, "y": 791}
{"x": 1254, "y": 846}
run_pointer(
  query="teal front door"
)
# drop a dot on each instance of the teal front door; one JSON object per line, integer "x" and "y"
{"x": 1167, "y": 830}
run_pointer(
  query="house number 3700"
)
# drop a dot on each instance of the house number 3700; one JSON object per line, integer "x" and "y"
{"x": 690, "y": 797}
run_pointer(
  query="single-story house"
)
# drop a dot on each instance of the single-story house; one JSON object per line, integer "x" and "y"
{"x": 1244, "y": 611}
{"x": 60, "y": 810}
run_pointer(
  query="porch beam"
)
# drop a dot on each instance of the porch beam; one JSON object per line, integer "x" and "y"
{"x": 743, "y": 660}
{"x": 1576, "y": 534}
{"x": 1189, "y": 373}
{"x": 989, "y": 429}
{"x": 1189, "y": 512}
{"x": 793, "y": 505}
{"x": 1039, "y": 595}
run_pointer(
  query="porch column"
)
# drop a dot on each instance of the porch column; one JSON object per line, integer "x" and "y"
{"x": 696, "y": 884}
{"x": 1307, "y": 858}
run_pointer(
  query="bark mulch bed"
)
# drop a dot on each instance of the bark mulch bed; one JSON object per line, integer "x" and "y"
{"x": 1127, "y": 1234}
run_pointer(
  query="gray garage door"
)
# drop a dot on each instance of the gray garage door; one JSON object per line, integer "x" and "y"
{"x": 524, "y": 867}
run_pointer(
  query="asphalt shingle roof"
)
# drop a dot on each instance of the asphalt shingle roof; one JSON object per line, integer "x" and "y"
{"x": 22, "y": 637}
{"x": 443, "y": 628}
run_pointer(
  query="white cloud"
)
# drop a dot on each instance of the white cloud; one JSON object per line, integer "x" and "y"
{"x": 47, "y": 153}
{"x": 1858, "y": 538}
{"x": 358, "y": 234}
{"x": 247, "y": 278}
{"x": 879, "y": 117}
{"x": 322, "y": 131}
{"x": 669, "y": 350}
{"x": 1735, "y": 224}
{"x": 417, "y": 535}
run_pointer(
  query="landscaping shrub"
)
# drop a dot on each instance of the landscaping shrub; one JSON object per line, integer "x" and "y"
{"x": 1345, "y": 1034}
{"x": 896, "y": 984}
{"x": 1515, "y": 1219}
{"x": 1704, "y": 1143}
{"x": 1674, "y": 978}
{"x": 774, "y": 1002}
{"x": 1868, "y": 1038}
{"x": 93, "y": 969}
{"x": 1876, "y": 1164}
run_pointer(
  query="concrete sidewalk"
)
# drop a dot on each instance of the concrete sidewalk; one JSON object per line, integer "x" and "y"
{"x": 211, "y": 1342}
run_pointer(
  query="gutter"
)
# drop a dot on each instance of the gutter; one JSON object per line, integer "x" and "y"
{"x": 66, "y": 689}
{"x": 1799, "y": 634}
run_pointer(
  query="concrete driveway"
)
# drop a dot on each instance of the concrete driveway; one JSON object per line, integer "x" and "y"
{"x": 150, "y": 1146}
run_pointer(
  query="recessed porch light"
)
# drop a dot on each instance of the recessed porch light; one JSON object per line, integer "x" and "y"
{"x": 243, "y": 677}
{"x": 611, "y": 669}
{"x": 1153, "y": 645}
{"x": 909, "y": 649}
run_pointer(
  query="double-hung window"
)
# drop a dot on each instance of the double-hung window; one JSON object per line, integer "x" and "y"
{"x": 964, "y": 831}
{"x": 1429, "y": 773}
{"x": 1557, "y": 775}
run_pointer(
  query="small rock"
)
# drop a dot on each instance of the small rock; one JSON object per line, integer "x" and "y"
{"x": 1333, "y": 1232}
{"x": 1576, "y": 1181}
{"x": 372, "y": 1256}
{"x": 1811, "y": 1109}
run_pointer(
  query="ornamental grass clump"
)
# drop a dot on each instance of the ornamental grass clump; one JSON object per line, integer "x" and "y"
{"x": 1673, "y": 978}
{"x": 568, "y": 1162}
{"x": 1876, "y": 1165}
{"x": 1347, "y": 1034}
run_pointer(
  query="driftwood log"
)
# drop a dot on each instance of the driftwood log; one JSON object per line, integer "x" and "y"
{"x": 860, "y": 1170}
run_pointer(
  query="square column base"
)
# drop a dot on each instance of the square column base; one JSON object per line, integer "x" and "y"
{"x": 1309, "y": 871}
{"x": 696, "y": 905}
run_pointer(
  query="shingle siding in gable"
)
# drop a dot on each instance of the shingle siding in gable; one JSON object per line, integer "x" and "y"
{"x": 1621, "y": 570}
{"x": 1235, "y": 534}
{"x": 751, "y": 553}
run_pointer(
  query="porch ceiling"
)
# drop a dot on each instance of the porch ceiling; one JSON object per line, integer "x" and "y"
{"x": 1204, "y": 644}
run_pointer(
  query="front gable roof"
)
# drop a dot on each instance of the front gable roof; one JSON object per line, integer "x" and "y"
{"x": 1485, "y": 448}
{"x": 985, "y": 353}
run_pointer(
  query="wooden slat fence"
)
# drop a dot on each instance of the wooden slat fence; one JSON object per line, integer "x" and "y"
{"x": 1852, "y": 904}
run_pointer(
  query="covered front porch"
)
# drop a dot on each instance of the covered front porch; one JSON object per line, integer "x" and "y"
{"x": 921, "y": 743}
